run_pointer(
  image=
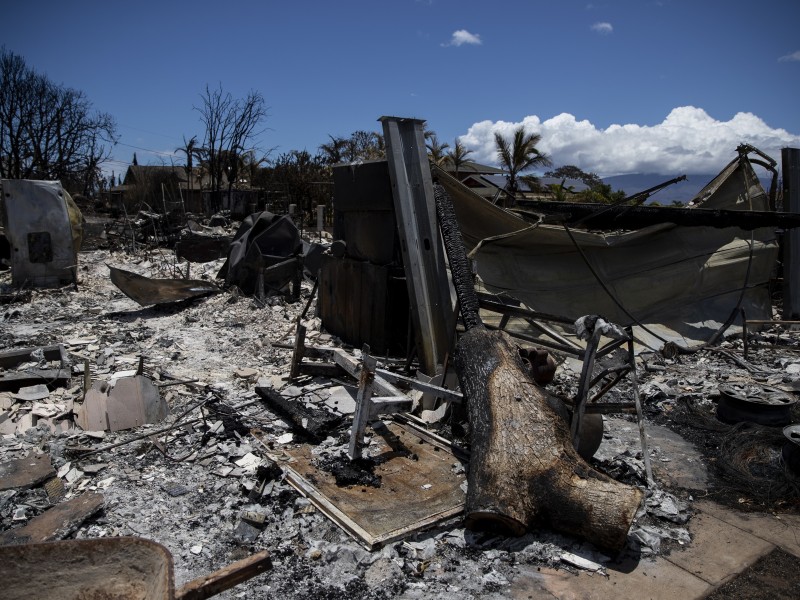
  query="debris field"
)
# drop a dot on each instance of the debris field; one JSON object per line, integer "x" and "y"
{"x": 200, "y": 483}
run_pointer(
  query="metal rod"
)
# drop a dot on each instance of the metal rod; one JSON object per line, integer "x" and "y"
{"x": 363, "y": 400}
{"x": 639, "y": 416}
{"x": 583, "y": 387}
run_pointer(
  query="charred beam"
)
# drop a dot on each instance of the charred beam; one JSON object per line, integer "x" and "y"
{"x": 599, "y": 216}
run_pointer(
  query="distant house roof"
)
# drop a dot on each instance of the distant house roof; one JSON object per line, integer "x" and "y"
{"x": 138, "y": 173}
{"x": 141, "y": 173}
{"x": 470, "y": 167}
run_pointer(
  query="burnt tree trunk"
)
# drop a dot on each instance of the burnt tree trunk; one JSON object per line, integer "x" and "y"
{"x": 523, "y": 467}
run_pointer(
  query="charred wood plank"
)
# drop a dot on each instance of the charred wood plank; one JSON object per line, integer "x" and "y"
{"x": 315, "y": 423}
{"x": 226, "y": 578}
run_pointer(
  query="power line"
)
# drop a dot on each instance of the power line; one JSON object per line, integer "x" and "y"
{"x": 147, "y": 149}
{"x": 169, "y": 137}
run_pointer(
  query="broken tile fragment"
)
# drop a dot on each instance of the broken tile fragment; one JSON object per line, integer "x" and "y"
{"x": 94, "y": 468}
{"x": 246, "y": 533}
{"x": 31, "y": 393}
{"x": 25, "y": 422}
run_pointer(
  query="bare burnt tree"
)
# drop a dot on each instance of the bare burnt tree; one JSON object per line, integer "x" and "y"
{"x": 231, "y": 124}
{"x": 48, "y": 131}
{"x": 301, "y": 179}
{"x": 361, "y": 145}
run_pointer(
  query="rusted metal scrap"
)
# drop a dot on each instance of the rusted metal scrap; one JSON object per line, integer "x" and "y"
{"x": 147, "y": 291}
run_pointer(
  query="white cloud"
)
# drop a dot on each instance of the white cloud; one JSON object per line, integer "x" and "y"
{"x": 462, "y": 36}
{"x": 687, "y": 141}
{"x": 604, "y": 28}
{"x": 793, "y": 57}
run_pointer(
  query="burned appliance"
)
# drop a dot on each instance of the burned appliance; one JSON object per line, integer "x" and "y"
{"x": 43, "y": 226}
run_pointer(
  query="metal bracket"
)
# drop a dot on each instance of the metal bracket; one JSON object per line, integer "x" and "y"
{"x": 369, "y": 407}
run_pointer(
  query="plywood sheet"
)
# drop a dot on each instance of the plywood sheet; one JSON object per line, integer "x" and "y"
{"x": 421, "y": 485}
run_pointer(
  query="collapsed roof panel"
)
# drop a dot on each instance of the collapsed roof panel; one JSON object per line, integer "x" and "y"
{"x": 673, "y": 283}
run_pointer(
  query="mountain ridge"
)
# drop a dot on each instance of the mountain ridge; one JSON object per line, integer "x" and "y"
{"x": 683, "y": 191}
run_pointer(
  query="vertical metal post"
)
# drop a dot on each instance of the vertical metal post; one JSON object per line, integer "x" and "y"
{"x": 790, "y": 166}
{"x": 320, "y": 219}
{"x": 429, "y": 287}
{"x": 299, "y": 351}
{"x": 744, "y": 334}
{"x": 584, "y": 385}
{"x": 648, "y": 470}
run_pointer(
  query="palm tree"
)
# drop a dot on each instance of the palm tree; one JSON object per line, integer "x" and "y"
{"x": 561, "y": 192}
{"x": 436, "y": 150}
{"x": 519, "y": 155}
{"x": 332, "y": 152}
{"x": 458, "y": 155}
{"x": 191, "y": 151}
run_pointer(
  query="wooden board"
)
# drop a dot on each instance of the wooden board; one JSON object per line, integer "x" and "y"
{"x": 55, "y": 523}
{"x": 414, "y": 494}
{"x": 356, "y": 304}
{"x": 25, "y": 473}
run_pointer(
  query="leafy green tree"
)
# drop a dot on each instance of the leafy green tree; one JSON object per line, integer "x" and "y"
{"x": 561, "y": 192}
{"x": 602, "y": 194}
{"x": 360, "y": 145}
{"x": 301, "y": 179}
{"x": 191, "y": 151}
{"x": 332, "y": 152}
{"x": 365, "y": 145}
{"x": 519, "y": 154}
{"x": 573, "y": 172}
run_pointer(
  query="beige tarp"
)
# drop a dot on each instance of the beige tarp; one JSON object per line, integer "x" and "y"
{"x": 681, "y": 283}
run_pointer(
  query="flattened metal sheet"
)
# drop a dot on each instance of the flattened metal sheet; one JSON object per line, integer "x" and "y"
{"x": 146, "y": 291}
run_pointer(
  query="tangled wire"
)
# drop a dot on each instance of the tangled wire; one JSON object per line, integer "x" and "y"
{"x": 748, "y": 456}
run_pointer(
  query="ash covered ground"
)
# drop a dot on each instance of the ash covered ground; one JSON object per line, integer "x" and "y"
{"x": 195, "y": 489}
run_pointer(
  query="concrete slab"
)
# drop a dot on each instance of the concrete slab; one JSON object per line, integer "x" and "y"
{"x": 782, "y": 530}
{"x": 719, "y": 551}
{"x": 675, "y": 460}
{"x": 648, "y": 580}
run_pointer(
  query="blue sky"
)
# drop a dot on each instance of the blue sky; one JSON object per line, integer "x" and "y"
{"x": 615, "y": 87}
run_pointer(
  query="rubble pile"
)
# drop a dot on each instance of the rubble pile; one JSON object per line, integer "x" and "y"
{"x": 207, "y": 482}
